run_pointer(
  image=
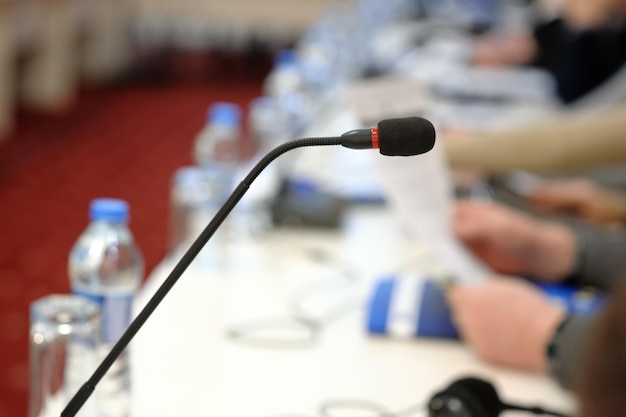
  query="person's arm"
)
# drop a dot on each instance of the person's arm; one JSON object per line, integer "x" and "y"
{"x": 580, "y": 198}
{"x": 601, "y": 386}
{"x": 602, "y": 263}
{"x": 515, "y": 243}
{"x": 569, "y": 143}
{"x": 567, "y": 347}
{"x": 506, "y": 321}
{"x": 601, "y": 260}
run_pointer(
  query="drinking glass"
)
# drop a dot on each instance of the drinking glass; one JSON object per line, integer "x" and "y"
{"x": 64, "y": 339}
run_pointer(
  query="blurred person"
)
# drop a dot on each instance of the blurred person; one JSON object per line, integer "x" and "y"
{"x": 581, "y": 43}
{"x": 566, "y": 144}
{"x": 581, "y": 198}
{"x": 507, "y": 320}
{"x": 584, "y": 14}
{"x": 584, "y": 47}
{"x": 603, "y": 376}
{"x": 580, "y": 158}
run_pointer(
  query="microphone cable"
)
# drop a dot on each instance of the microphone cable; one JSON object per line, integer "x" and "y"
{"x": 300, "y": 328}
{"x": 354, "y": 407}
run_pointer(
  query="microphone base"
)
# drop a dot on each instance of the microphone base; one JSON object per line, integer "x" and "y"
{"x": 301, "y": 205}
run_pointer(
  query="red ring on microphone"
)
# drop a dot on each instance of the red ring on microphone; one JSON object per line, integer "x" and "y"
{"x": 374, "y": 132}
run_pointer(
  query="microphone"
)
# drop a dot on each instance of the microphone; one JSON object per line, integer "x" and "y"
{"x": 474, "y": 397}
{"x": 394, "y": 137}
{"x": 390, "y": 136}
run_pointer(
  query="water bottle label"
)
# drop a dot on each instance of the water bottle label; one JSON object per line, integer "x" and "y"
{"x": 116, "y": 313}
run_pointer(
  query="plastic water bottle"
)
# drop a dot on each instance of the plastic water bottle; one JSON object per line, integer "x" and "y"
{"x": 268, "y": 123}
{"x": 106, "y": 266}
{"x": 287, "y": 86}
{"x": 217, "y": 145}
{"x": 195, "y": 197}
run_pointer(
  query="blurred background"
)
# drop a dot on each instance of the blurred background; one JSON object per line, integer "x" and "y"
{"x": 107, "y": 97}
{"x": 104, "y": 98}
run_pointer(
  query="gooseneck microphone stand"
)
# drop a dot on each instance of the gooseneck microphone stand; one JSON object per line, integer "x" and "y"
{"x": 88, "y": 387}
{"x": 393, "y": 137}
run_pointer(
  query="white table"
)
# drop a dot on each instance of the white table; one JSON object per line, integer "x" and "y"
{"x": 184, "y": 364}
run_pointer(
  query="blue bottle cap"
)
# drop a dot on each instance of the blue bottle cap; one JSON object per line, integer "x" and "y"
{"x": 225, "y": 114}
{"x": 286, "y": 57}
{"x": 109, "y": 209}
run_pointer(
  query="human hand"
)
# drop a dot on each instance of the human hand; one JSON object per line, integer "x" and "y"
{"x": 586, "y": 14}
{"x": 580, "y": 198}
{"x": 506, "y": 321}
{"x": 503, "y": 50}
{"x": 511, "y": 242}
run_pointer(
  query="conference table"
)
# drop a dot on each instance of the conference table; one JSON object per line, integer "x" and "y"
{"x": 275, "y": 325}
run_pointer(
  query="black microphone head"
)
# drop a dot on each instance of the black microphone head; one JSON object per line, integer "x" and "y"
{"x": 406, "y": 136}
{"x": 478, "y": 397}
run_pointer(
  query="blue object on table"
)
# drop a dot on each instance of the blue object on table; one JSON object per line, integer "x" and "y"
{"x": 415, "y": 306}
{"x": 575, "y": 299}
{"x": 409, "y": 306}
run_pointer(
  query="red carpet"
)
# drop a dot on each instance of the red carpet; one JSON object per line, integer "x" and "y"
{"x": 123, "y": 142}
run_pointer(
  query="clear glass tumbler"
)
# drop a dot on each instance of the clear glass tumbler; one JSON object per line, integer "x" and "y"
{"x": 64, "y": 341}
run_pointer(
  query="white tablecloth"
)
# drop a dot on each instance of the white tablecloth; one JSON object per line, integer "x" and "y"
{"x": 184, "y": 363}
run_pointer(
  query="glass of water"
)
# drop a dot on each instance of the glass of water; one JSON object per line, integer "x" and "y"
{"x": 64, "y": 339}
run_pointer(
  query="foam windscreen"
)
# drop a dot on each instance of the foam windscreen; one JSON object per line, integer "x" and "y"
{"x": 405, "y": 136}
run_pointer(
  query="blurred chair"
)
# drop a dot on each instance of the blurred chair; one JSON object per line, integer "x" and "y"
{"x": 7, "y": 65}
{"x": 48, "y": 48}
{"x": 61, "y": 43}
{"x": 48, "y": 79}
{"x": 208, "y": 23}
{"x": 105, "y": 38}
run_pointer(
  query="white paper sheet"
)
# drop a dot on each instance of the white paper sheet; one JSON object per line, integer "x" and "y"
{"x": 419, "y": 189}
